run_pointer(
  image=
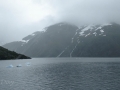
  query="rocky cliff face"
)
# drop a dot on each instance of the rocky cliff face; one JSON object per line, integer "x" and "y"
{"x": 66, "y": 40}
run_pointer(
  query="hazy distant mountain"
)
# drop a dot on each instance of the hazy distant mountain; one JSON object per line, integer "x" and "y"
{"x": 6, "y": 55}
{"x": 66, "y": 40}
{"x": 2, "y": 43}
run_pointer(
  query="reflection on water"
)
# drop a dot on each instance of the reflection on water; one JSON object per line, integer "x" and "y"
{"x": 48, "y": 74}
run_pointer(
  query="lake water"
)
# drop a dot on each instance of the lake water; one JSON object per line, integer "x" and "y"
{"x": 61, "y": 74}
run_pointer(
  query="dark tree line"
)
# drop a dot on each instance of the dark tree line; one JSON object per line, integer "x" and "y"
{"x": 5, "y": 54}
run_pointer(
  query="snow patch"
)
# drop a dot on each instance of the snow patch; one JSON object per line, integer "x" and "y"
{"x": 24, "y": 42}
{"x": 74, "y": 36}
{"x": 90, "y": 27}
{"x": 72, "y": 40}
{"x": 44, "y": 29}
{"x": 73, "y": 50}
{"x": 62, "y": 52}
{"x": 106, "y": 24}
{"x": 104, "y": 35}
{"x": 33, "y": 34}
{"x": 99, "y": 28}
{"x": 87, "y": 35}
{"x": 101, "y": 31}
{"x": 95, "y": 33}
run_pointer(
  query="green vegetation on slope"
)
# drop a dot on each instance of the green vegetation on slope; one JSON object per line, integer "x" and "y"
{"x": 5, "y": 54}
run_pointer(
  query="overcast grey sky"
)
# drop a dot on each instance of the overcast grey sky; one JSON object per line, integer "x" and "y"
{"x": 19, "y": 18}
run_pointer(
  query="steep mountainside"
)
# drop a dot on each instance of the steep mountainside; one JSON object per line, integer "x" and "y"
{"x": 6, "y": 55}
{"x": 66, "y": 40}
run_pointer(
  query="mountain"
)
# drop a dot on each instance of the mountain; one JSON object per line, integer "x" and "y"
{"x": 1, "y": 42}
{"x": 67, "y": 40}
{"x": 6, "y": 55}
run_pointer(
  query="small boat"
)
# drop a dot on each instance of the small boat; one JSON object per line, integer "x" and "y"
{"x": 10, "y": 66}
{"x": 19, "y": 65}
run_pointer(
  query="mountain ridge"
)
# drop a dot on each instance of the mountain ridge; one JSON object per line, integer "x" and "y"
{"x": 5, "y": 54}
{"x": 66, "y": 40}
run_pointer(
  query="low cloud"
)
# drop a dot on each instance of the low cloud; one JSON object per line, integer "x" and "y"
{"x": 19, "y": 18}
{"x": 87, "y": 11}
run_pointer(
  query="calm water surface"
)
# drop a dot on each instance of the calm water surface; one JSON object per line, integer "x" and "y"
{"x": 61, "y": 74}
